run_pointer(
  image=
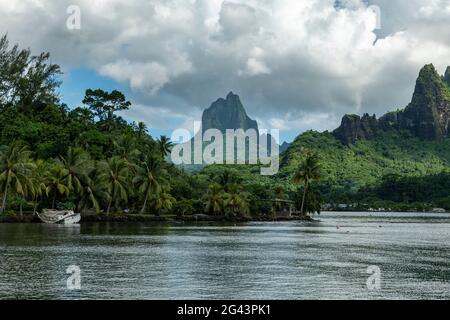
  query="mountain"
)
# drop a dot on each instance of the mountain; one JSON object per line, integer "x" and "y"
{"x": 223, "y": 114}
{"x": 426, "y": 117}
{"x": 226, "y": 114}
{"x": 413, "y": 142}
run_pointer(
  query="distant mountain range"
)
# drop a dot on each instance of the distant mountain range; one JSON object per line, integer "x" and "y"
{"x": 426, "y": 117}
{"x": 414, "y": 141}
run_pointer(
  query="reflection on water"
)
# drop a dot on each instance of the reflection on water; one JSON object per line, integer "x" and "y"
{"x": 289, "y": 260}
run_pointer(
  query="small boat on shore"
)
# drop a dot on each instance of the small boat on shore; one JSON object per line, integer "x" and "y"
{"x": 59, "y": 216}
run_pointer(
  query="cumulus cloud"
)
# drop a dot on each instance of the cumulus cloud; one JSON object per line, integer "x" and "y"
{"x": 144, "y": 76}
{"x": 295, "y": 63}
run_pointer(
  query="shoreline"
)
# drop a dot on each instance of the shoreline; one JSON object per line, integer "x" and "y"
{"x": 146, "y": 218}
{"x": 127, "y": 218}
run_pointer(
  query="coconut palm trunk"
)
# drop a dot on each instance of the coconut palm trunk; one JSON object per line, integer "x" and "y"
{"x": 4, "y": 198}
{"x": 109, "y": 208}
{"x": 303, "y": 199}
{"x": 145, "y": 204}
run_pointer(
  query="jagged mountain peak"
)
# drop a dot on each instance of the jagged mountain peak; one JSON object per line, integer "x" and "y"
{"x": 427, "y": 116}
{"x": 231, "y": 95}
{"x": 228, "y": 113}
{"x": 429, "y": 86}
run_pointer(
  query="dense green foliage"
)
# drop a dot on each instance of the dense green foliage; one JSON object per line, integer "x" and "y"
{"x": 409, "y": 192}
{"x": 90, "y": 159}
{"x": 350, "y": 170}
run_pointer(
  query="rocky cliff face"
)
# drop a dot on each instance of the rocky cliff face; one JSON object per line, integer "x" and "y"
{"x": 226, "y": 114}
{"x": 427, "y": 116}
{"x": 354, "y": 128}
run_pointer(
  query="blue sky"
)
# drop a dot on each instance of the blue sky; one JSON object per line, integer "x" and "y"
{"x": 76, "y": 81}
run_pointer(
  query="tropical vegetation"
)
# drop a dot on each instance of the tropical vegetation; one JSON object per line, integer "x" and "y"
{"x": 89, "y": 159}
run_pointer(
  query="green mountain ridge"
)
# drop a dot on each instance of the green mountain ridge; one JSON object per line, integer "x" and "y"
{"x": 427, "y": 116}
{"x": 413, "y": 142}
{"x": 364, "y": 150}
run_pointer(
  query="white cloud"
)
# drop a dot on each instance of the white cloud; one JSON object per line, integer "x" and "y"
{"x": 148, "y": 76}
{"x": 300, "y": 58}
{"x": 237, "y": 20}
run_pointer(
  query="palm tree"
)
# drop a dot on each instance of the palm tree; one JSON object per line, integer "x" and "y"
{"x": 115, "y": 172}
{"x": 56, "y": 182}
{"x": 15, "y": 169}
{"x": 307, "y": 172}
{"x": 27, "y": 191}
{"x": 236, "y": 199}
{"x": 149, "y": 177}
{"x": 95, "y": 190}
{"x": 38, "y": 182}
{"x": 141, "y": 129}
{"x": 214, "y": 199}
{"x": 227, "y": 178}
{"x": 78, "y": 165}
{"x": 125, "y": 147}
{"x": 164, "y": 146}
{"x": 163, "y": 201}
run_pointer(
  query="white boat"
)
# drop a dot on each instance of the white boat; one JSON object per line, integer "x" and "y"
{"x": 59, "y": 216}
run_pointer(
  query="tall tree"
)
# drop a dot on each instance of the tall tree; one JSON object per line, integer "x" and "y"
{"x": 226, "y": 178}
{"x": 104, "y": 104}
{"x": 115, "y": 172}
{"x": 38, "y": 179}
{"x": 26, "y": 79}
{"x": 149, "y": 178}
{"x": 236, "y": 199}
{"x": 56, "y": 182}
{"x": 306, "y": 173}
{"x": 95, "y": 190}
{"x": 214, "y": 199}
{"x": 163, "y": 201}
{"x": 15, "y": 171}
{"x": 125, "y": 147}
{"x": 164, "y": 145}
{"x": 141, "y": 129}
{"x": 78, "y": 165}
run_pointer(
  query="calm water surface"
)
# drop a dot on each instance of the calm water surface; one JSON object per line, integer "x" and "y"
{"x": 293, "y": 260}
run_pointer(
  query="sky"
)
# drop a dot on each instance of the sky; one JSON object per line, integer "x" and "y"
{"x": 297, "y": 65}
